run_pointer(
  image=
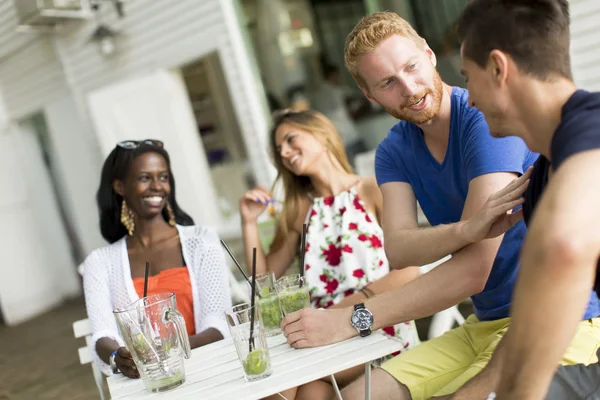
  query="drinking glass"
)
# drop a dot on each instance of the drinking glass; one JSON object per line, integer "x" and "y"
{"x": 253, "y": 354}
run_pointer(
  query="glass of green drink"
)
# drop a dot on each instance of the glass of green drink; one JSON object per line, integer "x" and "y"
{"x": 268, "y": 303}
{"x": 253, "y": 355}
{"x": 293, "y": 293}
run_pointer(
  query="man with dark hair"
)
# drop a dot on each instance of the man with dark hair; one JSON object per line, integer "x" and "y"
{"x": 515, "y": 56}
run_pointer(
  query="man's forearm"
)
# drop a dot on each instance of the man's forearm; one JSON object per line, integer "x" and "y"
{"x": 549, "y": 301}
{"x": 437, "y": 290}
{"x": 422, "y": 246}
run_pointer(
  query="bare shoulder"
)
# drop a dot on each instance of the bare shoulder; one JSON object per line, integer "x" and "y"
{"x": 369, "y": 183}
{"x": 368, "y": 189}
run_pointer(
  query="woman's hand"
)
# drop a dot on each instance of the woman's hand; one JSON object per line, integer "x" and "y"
{"x": 254, "y": 203}
{"x": 126, "y": 364}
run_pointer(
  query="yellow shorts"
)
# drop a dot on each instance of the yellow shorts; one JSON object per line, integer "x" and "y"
{"x": 442, "y": 365}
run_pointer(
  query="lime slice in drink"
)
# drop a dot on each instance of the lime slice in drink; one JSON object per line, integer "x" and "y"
{"x": 256, "y": 362}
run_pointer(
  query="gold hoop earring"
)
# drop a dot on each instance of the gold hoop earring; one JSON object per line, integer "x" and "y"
{"x": 171, "y": 214}
{"x": 127, "y": 218}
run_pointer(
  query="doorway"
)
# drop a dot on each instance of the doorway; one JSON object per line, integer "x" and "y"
{"x": 42, "y": 141}
{"x": 219, "y": 132}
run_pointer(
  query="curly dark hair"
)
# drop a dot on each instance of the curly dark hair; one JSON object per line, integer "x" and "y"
{"x": 109, "y": 202}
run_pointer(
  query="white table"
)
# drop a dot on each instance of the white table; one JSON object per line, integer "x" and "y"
{"x": 214, "y": 371}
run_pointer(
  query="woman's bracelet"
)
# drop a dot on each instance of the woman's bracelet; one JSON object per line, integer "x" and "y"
{"x": 367, "y": 292}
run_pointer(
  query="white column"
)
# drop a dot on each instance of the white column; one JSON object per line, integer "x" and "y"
{"x": 253, "y": 117}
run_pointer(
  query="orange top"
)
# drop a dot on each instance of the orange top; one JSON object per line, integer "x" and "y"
{"x": 176, "y": 280}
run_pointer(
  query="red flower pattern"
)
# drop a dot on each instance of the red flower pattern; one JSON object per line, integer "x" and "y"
{"x": 358, "y": 273}
{"x": 375, "y": 241}
{"x": 389, "y": 330}
{"x": 333, "y": 255}
{"x": 346, "y": 228}
{"x": 331, "y": 285}
{"x": 357, "y": 205}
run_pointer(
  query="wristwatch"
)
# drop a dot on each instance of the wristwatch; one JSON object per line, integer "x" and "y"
{"x": 362, "y": 320}
{"x": 111, "y": 361}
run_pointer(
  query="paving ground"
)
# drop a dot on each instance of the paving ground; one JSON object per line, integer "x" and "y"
{"x": 39, "y": 360}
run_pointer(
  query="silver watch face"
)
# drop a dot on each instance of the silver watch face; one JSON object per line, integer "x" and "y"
{"x": 362, "y": 319}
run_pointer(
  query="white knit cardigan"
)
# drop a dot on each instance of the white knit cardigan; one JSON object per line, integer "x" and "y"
{"x": 108, "y": 285}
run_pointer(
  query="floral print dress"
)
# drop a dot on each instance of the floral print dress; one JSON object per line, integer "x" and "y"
{"x": 344, "y": 253}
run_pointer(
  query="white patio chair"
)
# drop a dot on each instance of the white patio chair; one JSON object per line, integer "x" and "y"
{"x": 82, "y": 328}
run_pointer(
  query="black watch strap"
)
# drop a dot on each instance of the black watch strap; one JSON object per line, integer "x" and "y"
{"x": 365, "y": 332}
{"x": 359, "y": 306}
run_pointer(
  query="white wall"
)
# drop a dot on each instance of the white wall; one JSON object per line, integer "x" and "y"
{"x": 167, "y": 35}
{"x": 585, "y": 43}
{"x": 79, "y": 162}
{"x": 34, "y": 278}
{"x": 30, "y": 78}
{"x": 37, "y": 272}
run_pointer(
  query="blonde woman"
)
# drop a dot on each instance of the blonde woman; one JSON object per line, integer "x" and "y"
{"x": 344, "y": 261}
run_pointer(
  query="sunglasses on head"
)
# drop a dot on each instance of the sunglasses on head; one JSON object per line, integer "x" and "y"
{"x": 278, "y": 114}
{"x": 134, "y": 144}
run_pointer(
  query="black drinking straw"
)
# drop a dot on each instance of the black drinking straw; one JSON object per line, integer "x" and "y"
{"x": 146, "y": 278}
{"x": 251, "y": 342}
{"x": 302, "y": 249}
{"x": 146, "y": 281}
{"x": 235, "y": 261}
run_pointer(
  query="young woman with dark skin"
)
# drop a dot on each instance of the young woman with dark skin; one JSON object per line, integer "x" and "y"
{"x": 137, "y": 185}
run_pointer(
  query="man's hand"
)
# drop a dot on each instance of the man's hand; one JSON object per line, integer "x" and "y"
{"x": 494, "y": 218}
{"x": 312, "y": 328}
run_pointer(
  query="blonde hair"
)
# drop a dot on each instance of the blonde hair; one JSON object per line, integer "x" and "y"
{"x": 369, "y": 33}
{"x": 297, "y": 187}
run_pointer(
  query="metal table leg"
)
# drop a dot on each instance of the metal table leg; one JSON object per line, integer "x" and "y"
{"x": 368, "y": 381}
{"x": 335, "y": 387}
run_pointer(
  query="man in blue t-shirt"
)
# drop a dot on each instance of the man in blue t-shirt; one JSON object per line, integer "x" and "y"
{"x": 531, "y": 94}
{"x": 442, "y": 155}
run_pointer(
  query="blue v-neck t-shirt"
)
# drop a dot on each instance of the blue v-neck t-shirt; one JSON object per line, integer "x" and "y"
{"x": 441, "y": 189}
